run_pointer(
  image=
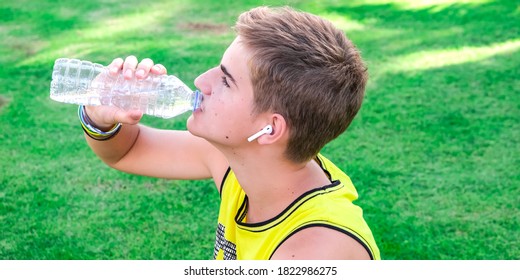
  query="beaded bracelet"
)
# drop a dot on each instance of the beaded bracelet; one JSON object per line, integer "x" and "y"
{"x": 92, "y": 131}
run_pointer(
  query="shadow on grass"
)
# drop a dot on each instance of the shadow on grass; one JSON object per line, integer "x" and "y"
{"x": 451, "y": 26}
{"x": 434, "y": 142}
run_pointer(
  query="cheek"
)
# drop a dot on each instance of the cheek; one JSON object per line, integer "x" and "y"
{"x": 227, "y": 107}
{"x": 219, "y": 108}
{"x": 229, "y": 118}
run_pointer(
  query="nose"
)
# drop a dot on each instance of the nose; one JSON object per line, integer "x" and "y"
{"x": 202, "y": 82}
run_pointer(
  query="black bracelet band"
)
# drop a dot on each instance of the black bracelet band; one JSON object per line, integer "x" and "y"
{"x": 94, "y": 132}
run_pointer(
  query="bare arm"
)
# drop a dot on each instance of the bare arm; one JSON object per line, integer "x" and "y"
{"x": 320, "y": 243}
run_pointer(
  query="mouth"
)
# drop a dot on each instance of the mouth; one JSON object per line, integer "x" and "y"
{"x": 200, "y": 108}
{"x": 201, "y": 105}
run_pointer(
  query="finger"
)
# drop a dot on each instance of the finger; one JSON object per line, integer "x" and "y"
{"x": 115, "y": 66}
{"x": 143, "y": 68}
{"x": 158, "y": 69}
{"x": 127, "y": 117}
{"x": 129, "y": 67}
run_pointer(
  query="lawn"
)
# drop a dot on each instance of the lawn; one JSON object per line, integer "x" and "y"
{"x": 434, "y": 151}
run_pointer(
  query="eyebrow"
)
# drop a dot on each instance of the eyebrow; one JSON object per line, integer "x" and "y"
{"x": 223, "y": 68}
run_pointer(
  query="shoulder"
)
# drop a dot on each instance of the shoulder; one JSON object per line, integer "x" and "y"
{"x": 320, "y": 242}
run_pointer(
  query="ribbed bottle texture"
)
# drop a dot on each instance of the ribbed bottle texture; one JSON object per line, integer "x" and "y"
{"x": 86, "y": 83}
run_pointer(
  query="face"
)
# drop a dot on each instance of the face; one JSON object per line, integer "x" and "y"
{"x": 225, "y": 116}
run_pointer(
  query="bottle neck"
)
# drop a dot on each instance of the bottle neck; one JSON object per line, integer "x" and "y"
{"x": 197, "y": 99}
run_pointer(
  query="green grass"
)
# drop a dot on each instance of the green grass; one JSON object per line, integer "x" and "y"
{"x": 434, "y": 152}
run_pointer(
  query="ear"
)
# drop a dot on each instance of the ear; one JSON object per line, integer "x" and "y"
{"x": 280, "y": 130}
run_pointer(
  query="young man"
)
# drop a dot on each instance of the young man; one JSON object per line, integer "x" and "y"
{"x": 293, "y": 81}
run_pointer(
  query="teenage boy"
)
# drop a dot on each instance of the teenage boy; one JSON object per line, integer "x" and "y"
{"x": 288, "y": 84}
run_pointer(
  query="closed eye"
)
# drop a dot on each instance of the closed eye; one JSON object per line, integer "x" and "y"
{"x": 228, "y": 75}
{"x": 224, "y": 81}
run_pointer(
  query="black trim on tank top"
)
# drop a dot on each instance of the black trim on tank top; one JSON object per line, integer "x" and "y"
{"x": 223, "y": 181}
{"x": 302, "y": 198}
{"x": 320, "y": 163}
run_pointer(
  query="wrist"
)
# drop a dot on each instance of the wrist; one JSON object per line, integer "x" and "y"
{"x": 91, "y": 118}
{"x": 92, "y": 130}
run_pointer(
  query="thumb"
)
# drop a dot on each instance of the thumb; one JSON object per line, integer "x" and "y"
{"x": 127, "y": 117}
{"x": 135, "y": 115}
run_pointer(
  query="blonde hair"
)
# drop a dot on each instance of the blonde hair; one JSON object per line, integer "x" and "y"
{"x": 305, "y": 69}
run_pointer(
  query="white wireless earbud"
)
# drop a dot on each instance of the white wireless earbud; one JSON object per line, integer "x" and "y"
{"x": 266, "y": 130}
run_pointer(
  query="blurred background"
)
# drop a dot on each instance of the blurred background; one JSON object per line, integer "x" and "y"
{"x": 434, "y": 151}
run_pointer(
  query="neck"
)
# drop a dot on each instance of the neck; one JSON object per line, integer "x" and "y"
{"x": 272, "y": 182}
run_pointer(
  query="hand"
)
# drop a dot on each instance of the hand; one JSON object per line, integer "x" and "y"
{"x": 104, "y": 117}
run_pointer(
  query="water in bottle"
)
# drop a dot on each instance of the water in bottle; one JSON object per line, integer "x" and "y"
{"x": 86, "y": 83}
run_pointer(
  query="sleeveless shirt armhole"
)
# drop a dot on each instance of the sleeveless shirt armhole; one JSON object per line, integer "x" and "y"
{"x": 223, "y": 181}
{"x": 360, "y": 241}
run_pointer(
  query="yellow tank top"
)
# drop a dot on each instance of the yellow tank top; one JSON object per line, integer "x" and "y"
{"x": 329, "y": 206}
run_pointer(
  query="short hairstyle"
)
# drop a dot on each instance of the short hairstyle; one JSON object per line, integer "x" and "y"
{"x": 305, "y": 69}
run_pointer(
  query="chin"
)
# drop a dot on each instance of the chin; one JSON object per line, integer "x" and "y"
{"x": 191, "y": 125}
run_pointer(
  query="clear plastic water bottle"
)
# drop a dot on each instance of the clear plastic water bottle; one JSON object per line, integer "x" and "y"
{"x": 86, "y": 83}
